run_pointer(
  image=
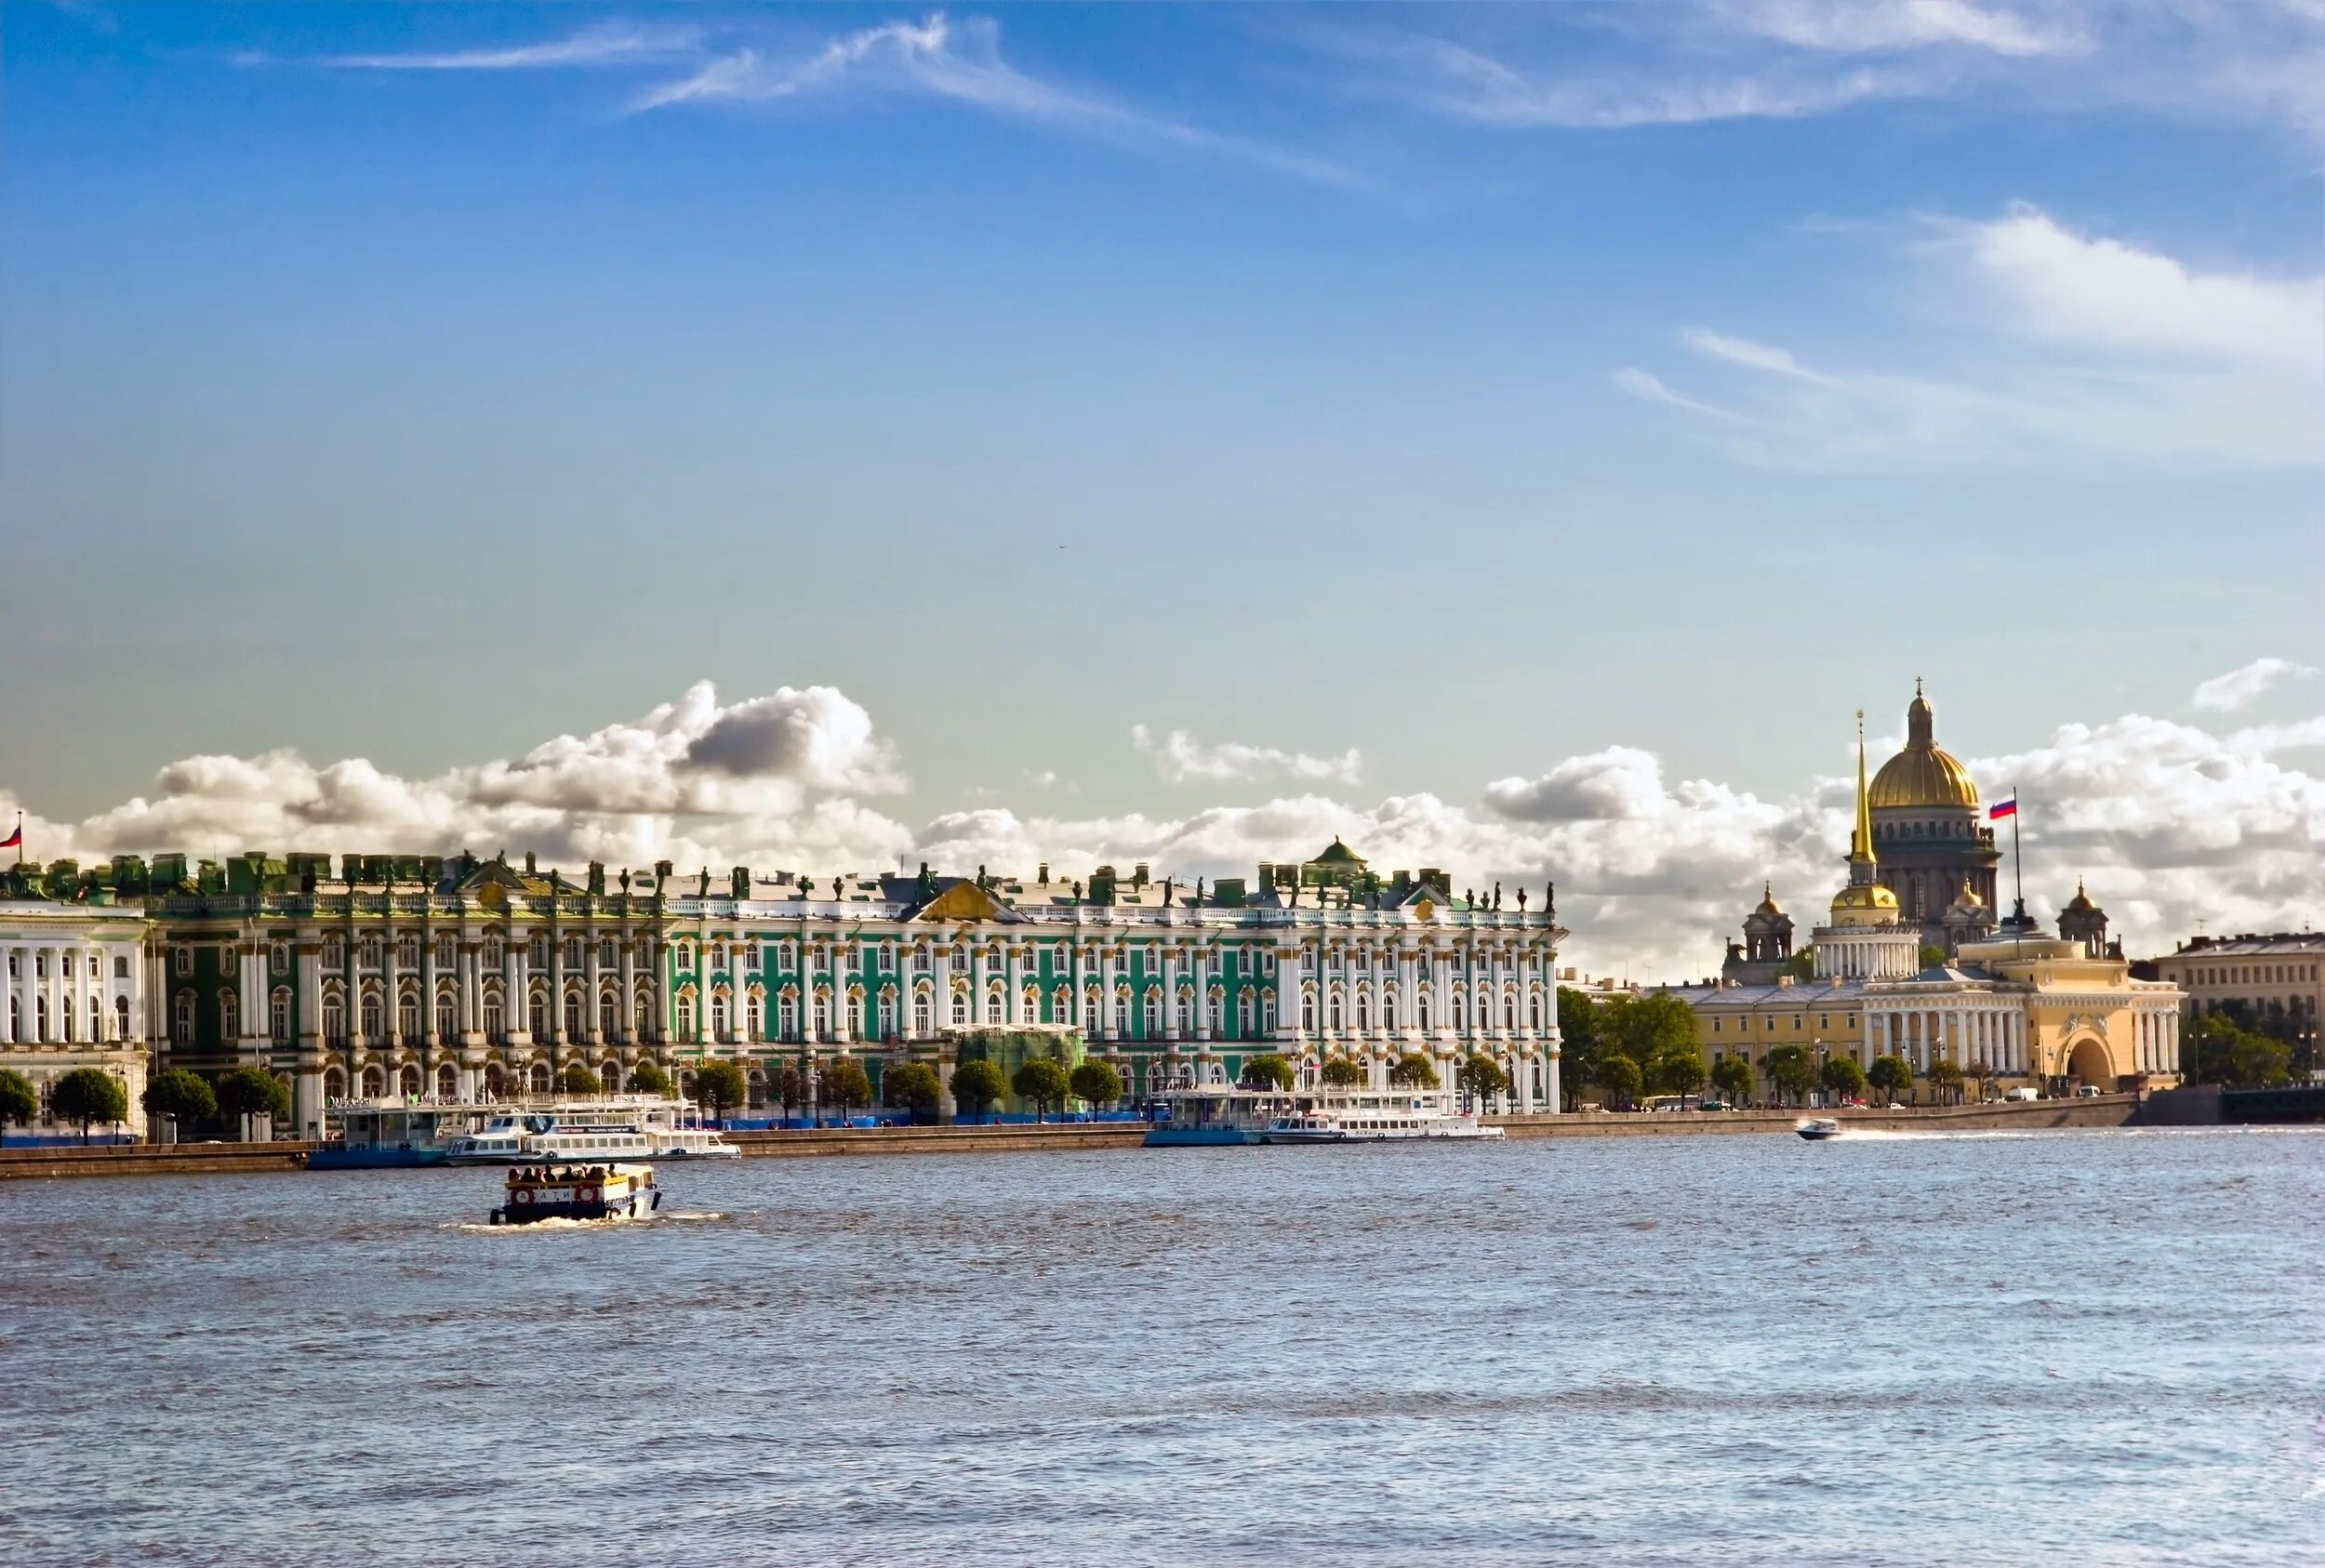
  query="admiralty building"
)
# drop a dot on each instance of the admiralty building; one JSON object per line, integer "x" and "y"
{"x": 461, "y": 976}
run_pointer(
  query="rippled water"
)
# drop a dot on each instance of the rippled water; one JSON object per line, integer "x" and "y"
{"x": 2062, "y": 1347}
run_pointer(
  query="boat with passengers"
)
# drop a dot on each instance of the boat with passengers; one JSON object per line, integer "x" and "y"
{"x": 397, "y": 1130}
{"x": 1210, "y": 1115}
{"x": 1393, "y": 1115}
{"x": 577, "y": 1191}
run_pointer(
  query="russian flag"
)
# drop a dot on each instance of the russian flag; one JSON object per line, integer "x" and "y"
{"x": 2002, "y": 808}
{"x": 16, "y": 839}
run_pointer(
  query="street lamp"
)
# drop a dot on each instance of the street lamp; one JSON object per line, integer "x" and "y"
{"x": 1821, "y": 1090}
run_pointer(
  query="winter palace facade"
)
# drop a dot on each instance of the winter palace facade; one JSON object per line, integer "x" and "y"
{"x": 419, "y": 975}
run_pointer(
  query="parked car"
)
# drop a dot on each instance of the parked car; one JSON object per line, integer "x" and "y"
{"x": 2087, "y": 1091}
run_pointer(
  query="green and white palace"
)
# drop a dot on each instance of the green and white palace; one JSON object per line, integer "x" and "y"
{"x": 456, "y": 976}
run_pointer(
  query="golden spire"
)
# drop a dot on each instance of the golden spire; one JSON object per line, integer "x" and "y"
{"x": 1861, "y": 841}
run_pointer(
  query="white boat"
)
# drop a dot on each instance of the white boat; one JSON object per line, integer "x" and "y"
{"x": 600, "y": 1127}
{"x": 1374, "y": 1116}
{"x": 577, "y": 1191}
{"x": 1816, "y": 1129}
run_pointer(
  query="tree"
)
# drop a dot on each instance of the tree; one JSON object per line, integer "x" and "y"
{"x": 720, "y": 1086}
{"x": 1481, "y": 1078}
{"x": 1043, "y": 1081}
{"x": 1414, "y": 1071}
{"x": 1946, "y": 1077}
{"x": 1267, "y": 1071}
{"x": 1801, "y": 967}
{"x": 1342, "y": 1073}
{"x": 2229, "y": 1054}
{"x": 975, "y": 1085}
{"x": 1675, "y": 1071}
{"x": 1791, "y": 1069}
{"x": 1619, "y": 1079}
{"x": 580, "y": 1080}
{"x": 646, "y": 1078}
{"x": 1933, "y": 956}
{"x": 1892, "y": 1075}
{"x": 251, "y": 1091}
{"x": 1646, "y": 1029}
{"x": 1842, "y": 1078}
{"x": 912, "y": 1085}
{"x": 180, "y": 1096}
{"x": 847, "y": 1085}
{"x": 18, "y": 1101}
{"x": 1095, "y": 1083}
{"x": 1581, "y": 1040}
{"x": 87, "y": 1096}
{"x": 789, "y": 1085}
{"x": 1733, "y": 1077}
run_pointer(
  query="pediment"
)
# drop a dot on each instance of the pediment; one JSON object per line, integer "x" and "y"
{"x": 962, "y": 901}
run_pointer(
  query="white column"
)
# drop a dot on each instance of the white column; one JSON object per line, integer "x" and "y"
{"x": 1012, "y": 977}
{"x": 1202, "y": 991}
{"x": 592, "y": 977}
{"x": 626, "y": 982}
{"x": 1288, "y": 994}
{"x": 1170, "y": 990}
{"x": 516, "y": 1001}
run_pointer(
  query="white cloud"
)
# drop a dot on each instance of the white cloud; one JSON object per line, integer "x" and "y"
{"x": 615, "y": 44}
{"x": 2170, "y": 823}
{"x": 1181, "y": 759}
{"x": 960, "y": 61}
{"x": 2071, "y": 349}
{"x": 2239, "y": 688}
{"x": 1874, "y": 26}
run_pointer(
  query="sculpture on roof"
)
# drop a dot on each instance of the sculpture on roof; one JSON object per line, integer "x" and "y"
{"x": 742, "y": 881}
{"x": 1199, "y": 892}
{"x": 1168, "y": 892}
{"x": 1521, "y": 900}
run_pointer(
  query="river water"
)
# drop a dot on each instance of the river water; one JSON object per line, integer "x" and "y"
{"x": 2066, "y": 1347}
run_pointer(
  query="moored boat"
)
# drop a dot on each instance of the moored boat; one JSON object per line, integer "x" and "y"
{"x": 538, "y": 1192}
{"x": 1218, "y": 1114}
{"x": 1376, "y": 1116}
{"x": 1816, "y": 1129}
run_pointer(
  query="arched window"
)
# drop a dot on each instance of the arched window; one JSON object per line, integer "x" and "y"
{"x": 1061, "y": 1005}
{"x": 229, "y": 1017}
{"x": 887, "y": 1015}
{"x": 1268, "y": 1015}
{"x": 408, "y": 1079}
{"x": 408, "y": 951}
{"x": 536, "y": 1015}
{"x": 493, "y": 1021}
{"x": 921, "y": 1022}
{"x": 960, "y": 1006}
{"x": 1363, "y": 1013}
{"x": 993, "y": 1003}
{"x": 493, "y": 952}
{"x": 573, "y": 952}
{"x": 823, "y": 1014}
{"x": 447, "y": 1082}
{"x": 642, "y": 1017}
{"x": 121, "y": 1018}
{"x": 1153, "y": 1020}
{"x": 685, "y": 955}
{"x": 1186, "y": 1012}
{"x": 787, "y": 1016}
{"x": 718, "y": 955}
{"x": 1243, "y": 1015}
{"x": 447, "y": 1017}
{"x": 608, "y": 1016}
{"x": 1093, "y": 1011}
{"x": 605, "y": 952}
{"x": 407, "y": 1016}
{"x": 1122, "y": 1013}
{"x": 686, "y": 1017}
{"x": 718, "y": 1017}
{"x": 369, "y": 952}
{"x": 1308, "y": 1010}
{"x": 334, "y": 1019}
{"x": 375, "y": 1083}
{"x": 1533, "y": 1010}
{"x": 1030, "y": 999}
{"x": 540, "y": 1077}
{"x": 1388, "y": 1012}
{"x": 181, "y": 1033}
{"x": 753, "y": 1018}
{"x": 97, "y": 1020}
{"x": 577, "y": 1015}
{"x": 278, "y": 957}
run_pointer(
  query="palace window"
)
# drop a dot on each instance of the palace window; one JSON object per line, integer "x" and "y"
{"x": 182, "y": 961}
{"x": 536, "y": 1015}
{"x": 121, "y": 968}
{"x": 1242, "y": 1017}
{"x": 753, "y": 1018}
{"x": 750, "y": 955}
{"x": 229, "y": 1017}
{"x": 1421, "y": 1009}
{"x": 573, "y": 952}
{"x": 718, "y": 1019}
{"x": 960, "y": 1006}
{"x": 444, "y": 955}
{"x": 182, "y": 1031}
{"x": 887, "y": 1016}
{"x": 493, "y": 952}
{"x": 334, "y": 953}
{"x": 783, "y": 957}
{"x": 686, "y": 1017}
{"x": 447, "y": 1018}
{"x": 1155, "y": 1013}
{"x": 368, "y": 949}
{"x": 993, "y": 1005}
{"x": 1388, "y": 1012}
{"x": 1185, "y": 1013}
{"x": 823, "y": 1016}
{"x": 121, "y": 1016}
{"x": 608, "y": 1018}
{"x": 408, "y": 951}
{"x": 1307, "y": 1012}
{"x": 921, "y": 1021}
{"x": 1122, "y": 1014}
{"x": 278, "y": 957}
{"x": 787, "y": 1017}
{"x": 718, "y": 955}
{"x": 493, "y": 1021}
{"x": 685, "y": 956}
{"x": 606, "y": 958}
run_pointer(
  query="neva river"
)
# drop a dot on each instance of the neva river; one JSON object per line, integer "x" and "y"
{"x": 2103, "y": 1348}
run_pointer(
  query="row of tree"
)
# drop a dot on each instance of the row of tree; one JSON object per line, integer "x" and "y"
{"x": 977, "y": 1086}
{"x": 90, "y": 1097}
{"x": 2222, "y": 1050}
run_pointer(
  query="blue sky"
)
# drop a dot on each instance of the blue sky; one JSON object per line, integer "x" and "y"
{"x": 1481, "y": 391}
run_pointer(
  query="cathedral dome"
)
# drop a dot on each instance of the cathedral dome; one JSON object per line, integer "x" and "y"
{"x": 1924, "y": 774}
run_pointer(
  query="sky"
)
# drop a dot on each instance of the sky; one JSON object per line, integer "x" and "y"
{"x": 1515, "y": 438}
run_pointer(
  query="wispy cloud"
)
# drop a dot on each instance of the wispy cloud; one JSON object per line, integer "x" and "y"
{"x": 614, "y": 43}
{"x": 960, "y": 61}
{"x": 1181, "y": 759}
{"x": 2240, "y": 688}
{"x": 1875, "y": 26}
{"x": 2066, "y": 346}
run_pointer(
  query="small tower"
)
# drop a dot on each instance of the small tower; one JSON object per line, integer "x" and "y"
{"x": 2084, "y": 923}
{"x": 1767, "y": 930}
{"x": 1967, "y": 920}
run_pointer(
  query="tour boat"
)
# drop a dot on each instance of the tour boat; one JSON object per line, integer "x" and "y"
{"x": 577, "y": 1192}
{"x": 1816, "y": 1129}
{"x": 609, "y": 1127}
{"x": 1195, "y": 1118}
{"x": 1374, "y": 1116}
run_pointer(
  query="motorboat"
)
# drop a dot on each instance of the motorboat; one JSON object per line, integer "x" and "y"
{"x": 1816, "y": 1129}
{"x": 532, "y": 1193}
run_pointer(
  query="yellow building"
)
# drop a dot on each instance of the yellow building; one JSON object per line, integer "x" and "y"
{"x": 2014, "y": 1006}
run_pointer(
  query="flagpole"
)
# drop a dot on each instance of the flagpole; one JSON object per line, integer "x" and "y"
{"x": 2017, "y": 857}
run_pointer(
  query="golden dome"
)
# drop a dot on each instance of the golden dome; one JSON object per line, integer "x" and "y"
{"x": 1924, "y": 774}
{"x": 1768, "y": 905}
{"x": 1864, "y": 904}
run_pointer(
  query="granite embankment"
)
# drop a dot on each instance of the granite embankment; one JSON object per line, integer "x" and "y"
{"x": 2108, "y": 1111}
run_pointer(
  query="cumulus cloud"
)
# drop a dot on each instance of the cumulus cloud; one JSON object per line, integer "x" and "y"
{"x": 2082, "y": 348}
{"x": 2171, "y": 823}
{"x": 2240, "y": 688}
{"x": 1181, "y": 759}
